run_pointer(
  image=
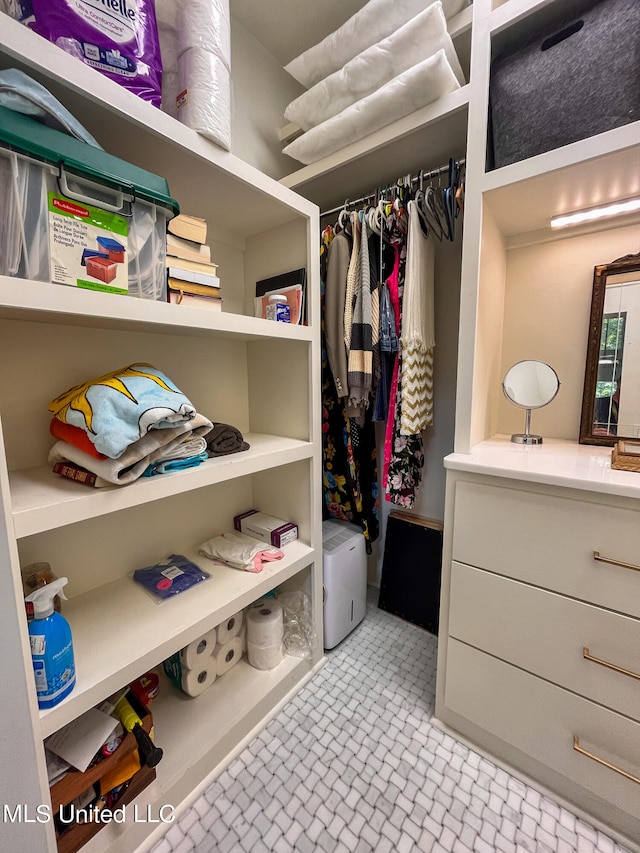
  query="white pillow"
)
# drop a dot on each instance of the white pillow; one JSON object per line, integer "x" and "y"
{"x": 407, "y": 92}
{"x": 418, "y": 39}
{"x": 375, "y": 21}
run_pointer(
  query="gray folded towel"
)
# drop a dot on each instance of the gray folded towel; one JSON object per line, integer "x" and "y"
{"x": 224, "y": 439}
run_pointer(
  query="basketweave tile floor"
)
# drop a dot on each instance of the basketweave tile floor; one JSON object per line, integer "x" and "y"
{"x": 352, "y": 764}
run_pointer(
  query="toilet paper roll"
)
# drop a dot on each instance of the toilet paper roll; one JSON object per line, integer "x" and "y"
{"x": 230, "y": 628}
{"x": 206, "y": 25}
{"x": 265, "y": 657}
{"x": 192, "y": 655}
{"x": 265, "y": 625}
{"x": 204, "y": 95}
{"x": 227, "y": 655}
{"x": 196, "y": 681}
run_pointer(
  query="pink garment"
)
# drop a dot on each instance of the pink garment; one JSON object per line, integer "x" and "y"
{"x": 392, "y": 284}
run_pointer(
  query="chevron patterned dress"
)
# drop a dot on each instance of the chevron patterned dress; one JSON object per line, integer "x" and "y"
{"x": 418, "y": 330}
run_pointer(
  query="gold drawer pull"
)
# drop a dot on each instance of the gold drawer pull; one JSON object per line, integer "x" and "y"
{"x": 578, "y": 748}
{"x": 587, "y": 656}
{"x": 596, "y": 556}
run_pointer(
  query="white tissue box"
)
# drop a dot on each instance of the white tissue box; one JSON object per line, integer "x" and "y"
{"x": 275, "y": 531}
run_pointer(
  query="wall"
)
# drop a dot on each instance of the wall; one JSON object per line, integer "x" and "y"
{"x": 546, "y": 316}
{"x": 438, "y": 439}
{"x": 261, "y": 91}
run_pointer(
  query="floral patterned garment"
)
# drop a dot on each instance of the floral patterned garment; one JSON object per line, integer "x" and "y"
{"x": 349, "y": 461}
{"x": 407, "y": 451}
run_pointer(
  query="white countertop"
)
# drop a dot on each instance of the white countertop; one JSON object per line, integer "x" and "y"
{"x": 555, "y": 462}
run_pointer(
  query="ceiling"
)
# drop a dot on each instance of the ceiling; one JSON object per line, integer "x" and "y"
{"x": 286, "y": 28}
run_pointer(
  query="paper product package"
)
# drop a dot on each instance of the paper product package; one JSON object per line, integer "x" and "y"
{"x": 198, "y": 44}
{"x": 203, "y": 100}
{"x": 265, "y": 635}
{"x": 195, "y": 681}
{"x": 119, "y": 38}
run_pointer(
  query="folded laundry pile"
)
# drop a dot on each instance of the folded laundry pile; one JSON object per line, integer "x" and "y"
{"x": 132, "y": 422}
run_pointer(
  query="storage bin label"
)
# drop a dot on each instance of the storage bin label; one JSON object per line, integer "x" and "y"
{"x": 87, "y": 246}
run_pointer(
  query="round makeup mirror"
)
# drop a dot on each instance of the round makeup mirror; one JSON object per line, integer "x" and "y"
{"x": 530, "y": 385}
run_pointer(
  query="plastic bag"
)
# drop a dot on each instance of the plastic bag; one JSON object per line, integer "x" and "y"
{"x": 170, "y": 577}
{"x": 119, "y": 38}
{"x": 299, "y": 630}
{"x": 22, "y": 94}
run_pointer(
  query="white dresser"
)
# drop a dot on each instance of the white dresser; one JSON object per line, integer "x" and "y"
{"x": 539, "y": 659}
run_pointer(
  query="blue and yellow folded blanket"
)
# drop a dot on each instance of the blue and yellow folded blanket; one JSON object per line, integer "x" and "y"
{"x": 119, "y": 408}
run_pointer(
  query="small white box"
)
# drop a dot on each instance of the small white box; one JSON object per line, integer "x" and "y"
{"x": 275, "y": 531}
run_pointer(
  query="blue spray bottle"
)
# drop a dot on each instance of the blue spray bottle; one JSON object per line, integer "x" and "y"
{"x": 51, "y": 646}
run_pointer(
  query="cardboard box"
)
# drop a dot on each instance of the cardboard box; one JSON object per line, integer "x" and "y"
{"x": 275, "y": 531}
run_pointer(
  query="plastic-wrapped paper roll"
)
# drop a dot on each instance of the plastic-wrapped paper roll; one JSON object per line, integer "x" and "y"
{"x": 227, "y": 655}
{"x": 170, "y": 92}
{"x": 205, "y": 24}
{"x": 204, "y": 95}
{"x": 265, "y": 625}
{"x": 192, "y": 655}
{"x": 230, "y": 628}
{"x": 265, "y": 657}
{"x": 196, "y": 681}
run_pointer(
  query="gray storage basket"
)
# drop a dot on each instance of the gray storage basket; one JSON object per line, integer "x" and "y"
{"x": 577, "y": 79}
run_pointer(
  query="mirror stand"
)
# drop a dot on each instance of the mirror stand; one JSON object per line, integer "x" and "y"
{"x": 526, "y": 437}
{"x": 529, "y": 385}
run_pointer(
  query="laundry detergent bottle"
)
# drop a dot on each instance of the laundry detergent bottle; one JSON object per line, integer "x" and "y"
{"x": 51, "y": 646}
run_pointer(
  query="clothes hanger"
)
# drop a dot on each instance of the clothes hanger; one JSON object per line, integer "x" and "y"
{"x": 436, "y": 203}
{"x": 430, "y": 213}
{"x": 419, "y": 200}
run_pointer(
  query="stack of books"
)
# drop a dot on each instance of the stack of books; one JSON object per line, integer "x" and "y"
{"x": 192, "y": 278}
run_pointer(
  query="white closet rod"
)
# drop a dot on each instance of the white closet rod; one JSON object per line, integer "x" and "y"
{"x": 424, "y": 176}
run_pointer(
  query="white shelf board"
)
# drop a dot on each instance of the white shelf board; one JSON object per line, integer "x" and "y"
{"x": 514, "y": 12}
{"x": 556, "y": 462}
{"x": 424, "y": 139}
{"x": 42, "y": 500}
{"x": 134, "y": 129}
{"x": 213, "y": 715}
{"x": 22, "y": 299}
{"x": 605, "y": 168}
{"x": 199, "y": 736}
{"x": 461, "y": 23}
{"x": 120, "y": 632}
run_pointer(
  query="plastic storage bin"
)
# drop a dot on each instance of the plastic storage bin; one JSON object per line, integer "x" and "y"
{"x": 575, "y": 79}
{"x": 67, "y": 204}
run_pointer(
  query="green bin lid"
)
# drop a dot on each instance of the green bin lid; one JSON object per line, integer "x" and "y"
{"x": 27, "y": 136}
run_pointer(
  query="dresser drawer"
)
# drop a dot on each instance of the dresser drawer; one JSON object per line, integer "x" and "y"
{"x": 542, "y": 720}
{"x": 549, "y": 540}
{"x": 547, "y": 634}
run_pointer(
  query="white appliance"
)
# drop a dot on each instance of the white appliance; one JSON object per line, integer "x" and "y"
{"x": 344, "y": 563}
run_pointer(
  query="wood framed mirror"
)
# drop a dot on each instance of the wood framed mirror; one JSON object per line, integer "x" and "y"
{"x": 611, "y": 396}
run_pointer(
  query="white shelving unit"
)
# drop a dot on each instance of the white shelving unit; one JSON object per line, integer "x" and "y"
{"x": 524, "y": 293}
{"x": 262, "y": 377}
{"x": 429, "y": 135}
{"x": 516, "y": 686}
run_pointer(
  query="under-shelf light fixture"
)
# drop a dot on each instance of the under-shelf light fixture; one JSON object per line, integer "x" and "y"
{"x": 615, "y": 209}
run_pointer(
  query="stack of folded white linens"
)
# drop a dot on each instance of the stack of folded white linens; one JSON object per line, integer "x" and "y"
{"x": 388, "y": 60}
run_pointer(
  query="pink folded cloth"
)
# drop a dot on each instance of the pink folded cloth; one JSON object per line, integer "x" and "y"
{"x": 240, "y": 551}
